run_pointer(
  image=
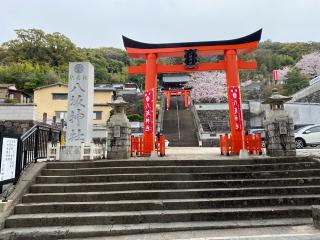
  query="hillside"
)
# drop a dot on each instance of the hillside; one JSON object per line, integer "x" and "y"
{"x": 35, "y": 58}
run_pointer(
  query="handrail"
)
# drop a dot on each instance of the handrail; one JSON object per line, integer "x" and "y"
{"x": 38, "y": 126}
{"x": 29, "y": 132}
{"x": 160, "y": 116}
{"x": 33, "y": 145}
{"x": 196, "y": 121}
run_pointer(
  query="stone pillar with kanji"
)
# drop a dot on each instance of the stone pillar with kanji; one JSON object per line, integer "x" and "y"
{"x": 80, "y": 109}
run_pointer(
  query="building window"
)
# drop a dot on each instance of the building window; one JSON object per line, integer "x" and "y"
{"x": 61, "y": 115}
{"x": 97, "y": 115}
{"x": 59, "y": 96}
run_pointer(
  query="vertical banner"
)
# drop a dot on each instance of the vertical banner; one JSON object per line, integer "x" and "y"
{"x": 234, "y": 97}
{"x": 148, "y": 111}
{"x": 275, "y": 75}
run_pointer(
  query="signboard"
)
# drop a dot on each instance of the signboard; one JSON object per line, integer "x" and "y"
{"x": 148, "y": 111}
{"x": 80, "y": 103}
{"x": 234, "y": 97}
{"x": 190, "y": 58}
{"x": 9, "y": 151}
{"x": 116, "y": 131}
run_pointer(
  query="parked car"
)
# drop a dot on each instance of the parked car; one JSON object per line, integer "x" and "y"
{"x": 307, "y": 136}
{"x": 298, "y": 126}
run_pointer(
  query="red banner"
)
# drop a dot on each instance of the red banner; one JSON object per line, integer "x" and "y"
{"x": 234, "y": 97}
{"x": 148, "y": 111}
{"x": 275, "y": 75}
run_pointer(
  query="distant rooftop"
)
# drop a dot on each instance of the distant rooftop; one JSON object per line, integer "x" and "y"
{"x": 101, "y": 86}
{"x": 11, "y": 86}
{"x": 176, "y": 78}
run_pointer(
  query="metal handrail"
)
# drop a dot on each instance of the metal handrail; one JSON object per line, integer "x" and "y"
{"x": 29, "y": 132}
{"x": 32, "y": 145}
{"x": 196, "y": 121}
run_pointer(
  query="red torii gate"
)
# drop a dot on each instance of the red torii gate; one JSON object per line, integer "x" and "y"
{"x": 185, "y": 93}
{"x": 231, "y": 65}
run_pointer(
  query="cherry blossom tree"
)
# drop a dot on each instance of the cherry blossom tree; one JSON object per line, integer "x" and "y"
{"x": 310, "y": 64}
{"x": 282, "y": 73}
{"x": 208, "y": 87}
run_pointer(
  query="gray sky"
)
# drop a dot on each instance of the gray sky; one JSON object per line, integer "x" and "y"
{"x": 97, "y": 23}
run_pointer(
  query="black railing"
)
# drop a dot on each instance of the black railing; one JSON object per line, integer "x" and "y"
{"x": 34, "y": 142}
{"x": 32, "y": 146}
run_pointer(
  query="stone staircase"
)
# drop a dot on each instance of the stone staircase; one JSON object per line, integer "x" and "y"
{"x": 178, "y": 125}
{"x": 119, "y": 197}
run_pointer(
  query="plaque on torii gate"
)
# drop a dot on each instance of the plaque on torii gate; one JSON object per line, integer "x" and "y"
{"x": 231, "y": 65}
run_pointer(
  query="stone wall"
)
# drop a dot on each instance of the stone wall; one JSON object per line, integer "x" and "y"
{"x": 312, "y": 98}
{"x": 308, "y": 94}
{"x": 214, "y": 120}
{"x": 18, "y": 111}
{"x": 15, "y": 127}
{"x": 218, "y": 120}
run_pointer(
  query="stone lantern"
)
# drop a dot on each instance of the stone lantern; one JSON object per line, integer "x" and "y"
{"x": 119, "y": 131}
{"x": 279, "y": 127}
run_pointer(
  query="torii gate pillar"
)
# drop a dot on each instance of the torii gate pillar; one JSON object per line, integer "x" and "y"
{"x": 150, "y": 86}
{"x": 234, "y": 98}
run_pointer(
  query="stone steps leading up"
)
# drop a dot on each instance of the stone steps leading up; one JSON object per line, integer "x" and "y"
{"x": 162, "y": 216}
{"x": 142, "y": 162}
{"x": 314, "y": 172}
{"x": 178, "y": 125}
{"x": 107, "y": 198}
{"x": 178, "y": 169}
{"x": 167, "y": 204}
{"x": 170, "y": 194}
{"x": 149, "y": 185}
{"x": 103, "y": 231}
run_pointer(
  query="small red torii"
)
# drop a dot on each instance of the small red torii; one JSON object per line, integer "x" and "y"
{"x": 231, "y": 65}
{"x": 185, "y": 93}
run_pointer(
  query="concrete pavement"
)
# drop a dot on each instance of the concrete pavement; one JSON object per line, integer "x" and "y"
{"x": 207, "y": 153}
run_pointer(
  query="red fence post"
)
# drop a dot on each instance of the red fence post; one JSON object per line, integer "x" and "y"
{"x": 259, "y": 143}
{"x": 162, "y": 145}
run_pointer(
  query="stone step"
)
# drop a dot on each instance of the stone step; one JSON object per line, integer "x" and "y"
{"x": 167, "y": 204}
{"x": 178, "y": 176}
{"x": 131, "y": 163}
{"x": 178, "y": 169}
{"x": 159, "y": 216}
{"x": 152, "y": 185}
{"x": 169, "y": 194}
{"x": 85, "y": 231}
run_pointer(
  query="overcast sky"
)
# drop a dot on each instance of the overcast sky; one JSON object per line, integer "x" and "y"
{"x": 97, "y": 23}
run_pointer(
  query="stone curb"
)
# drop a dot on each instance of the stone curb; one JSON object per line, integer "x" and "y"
{"x": 22, "y": 187}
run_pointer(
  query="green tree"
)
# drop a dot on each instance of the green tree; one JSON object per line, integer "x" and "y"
{"x": 27, "y": 76}
{"x": 37, "y": 47}
{"x": 294, "y": 82}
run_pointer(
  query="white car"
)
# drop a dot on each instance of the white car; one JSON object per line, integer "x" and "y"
{"x": 307, "y": 136}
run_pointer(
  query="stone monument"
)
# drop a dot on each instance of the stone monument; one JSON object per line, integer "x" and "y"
{"x": 279, "y": 127}
{"x": 119, "y": 132}
{"x": 80, "y": 109}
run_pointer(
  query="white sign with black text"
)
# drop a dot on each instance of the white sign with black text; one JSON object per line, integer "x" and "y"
{"x": 8, "y": 158}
